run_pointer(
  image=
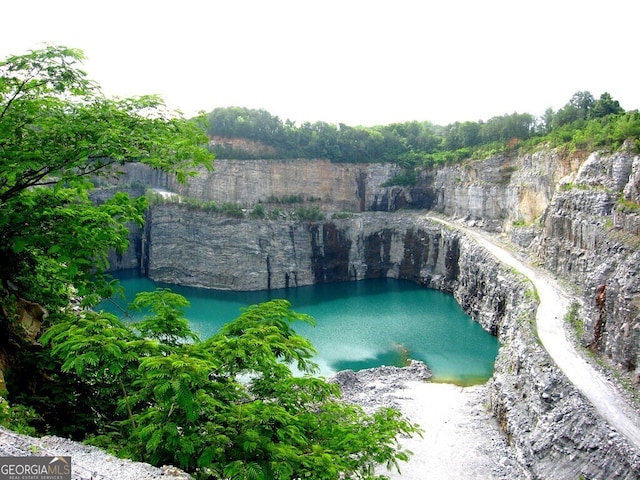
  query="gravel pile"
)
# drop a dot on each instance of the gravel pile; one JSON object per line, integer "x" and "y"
{"x": 374, "y": 388}
{"x": 88, "y": 463}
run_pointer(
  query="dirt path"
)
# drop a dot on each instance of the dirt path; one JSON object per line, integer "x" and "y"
{"x": 554, "y": 303}
{"x": 462, "y": 440}
{"x": 461, "y": 437}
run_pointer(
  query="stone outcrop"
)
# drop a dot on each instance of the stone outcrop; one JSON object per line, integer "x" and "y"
{"x": 591, "y": 237}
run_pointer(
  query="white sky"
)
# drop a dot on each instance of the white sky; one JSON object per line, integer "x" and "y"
{"x": 359, "y": 62}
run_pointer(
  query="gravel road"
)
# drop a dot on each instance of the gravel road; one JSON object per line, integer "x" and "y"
{"x": 554, "y": 303}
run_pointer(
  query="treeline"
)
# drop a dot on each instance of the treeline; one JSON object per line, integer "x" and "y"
{"x": 420, "y": 143}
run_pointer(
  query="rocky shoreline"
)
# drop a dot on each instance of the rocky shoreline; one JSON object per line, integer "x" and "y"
{"x": 461, "y": 439}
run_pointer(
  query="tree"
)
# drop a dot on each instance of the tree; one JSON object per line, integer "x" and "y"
{"x": 577, "y": 109}
{"x": 57, "y": 132}
{"x": 227, "y": 407}
{"x": 606, "y": 105}
{"x": 546, "y": 122}
{"x": 583, "y": 101}
{"x": 508, "y": 127}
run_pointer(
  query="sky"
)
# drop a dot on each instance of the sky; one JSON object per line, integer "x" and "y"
{"x": 358, "y": 62}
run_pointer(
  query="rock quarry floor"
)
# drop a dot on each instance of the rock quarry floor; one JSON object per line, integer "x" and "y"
{"x": 461, "y": 439}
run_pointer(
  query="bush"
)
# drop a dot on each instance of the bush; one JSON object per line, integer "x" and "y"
{"x": 226, "y": 407}
{"x": 258, "y": 211}
{"x": 232, "y": 210}
{"x": 312, "y": 214}
{"x": 406, "y": 178}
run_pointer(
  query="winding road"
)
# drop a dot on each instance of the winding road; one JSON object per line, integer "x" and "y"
{"x": 604, "y": 396}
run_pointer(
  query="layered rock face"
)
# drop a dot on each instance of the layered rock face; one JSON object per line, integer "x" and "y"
{"x": 556, "y": 433}
{"x": 576, "y": 213}
{"x": 191, "y": 247}
{"x": 591, "y": 237}
{"x": 342, "y": 187}
{"x": 492, "y": 192}
{"x": 495, "y": 192}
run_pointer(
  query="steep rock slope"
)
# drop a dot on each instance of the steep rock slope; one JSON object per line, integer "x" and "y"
{"x": 591, "y": 237}
{"x": 350, "y": 187}
{"x": 191, "y": 247}
{"x": 575, "y": 213}
{"x": 556, "y": 431}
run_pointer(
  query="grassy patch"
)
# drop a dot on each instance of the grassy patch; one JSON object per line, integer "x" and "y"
{"x": 574, "y": 319}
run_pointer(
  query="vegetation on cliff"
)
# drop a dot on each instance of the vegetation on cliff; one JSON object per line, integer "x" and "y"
{"x": 582, "y": 122}
{"x": 227, "y": 407}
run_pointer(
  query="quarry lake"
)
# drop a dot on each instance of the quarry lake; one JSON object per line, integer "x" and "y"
{"x": 359, "y": 325}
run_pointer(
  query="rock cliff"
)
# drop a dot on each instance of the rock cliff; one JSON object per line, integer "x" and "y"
{"x": 576, "y": 213}
{"x": 554, "y": 430}
{"x": 591, "y": 237}
{"x": 493, "y": 192}
{"x": 342, "y": 187}
{"x": 192, "y": 247}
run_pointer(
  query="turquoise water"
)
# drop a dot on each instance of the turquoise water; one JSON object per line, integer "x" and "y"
{"x": 358, "y": 324}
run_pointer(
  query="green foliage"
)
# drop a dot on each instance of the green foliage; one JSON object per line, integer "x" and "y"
{"x": 583, "y": 122}
{"x": 275, "y": 214}
{"x": 167, "y": 323}
{"x": 287, "y": 199}
{"x": 226, "y": 407}
{"x": 628, "y": 206}
{"x": 232, "y": 210}
{"x": 18, "y": 418}
{"x": 574, "y": 319}
{"x": 532, "y": 295}
{"x": 311, "y": 214}
{"x": 258, "y": 211}
{"x": 56, "y": 241}
{"x": 520, "y": 222}
{"x": 57, "y": 133}
{"x": 406, "y": 178}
